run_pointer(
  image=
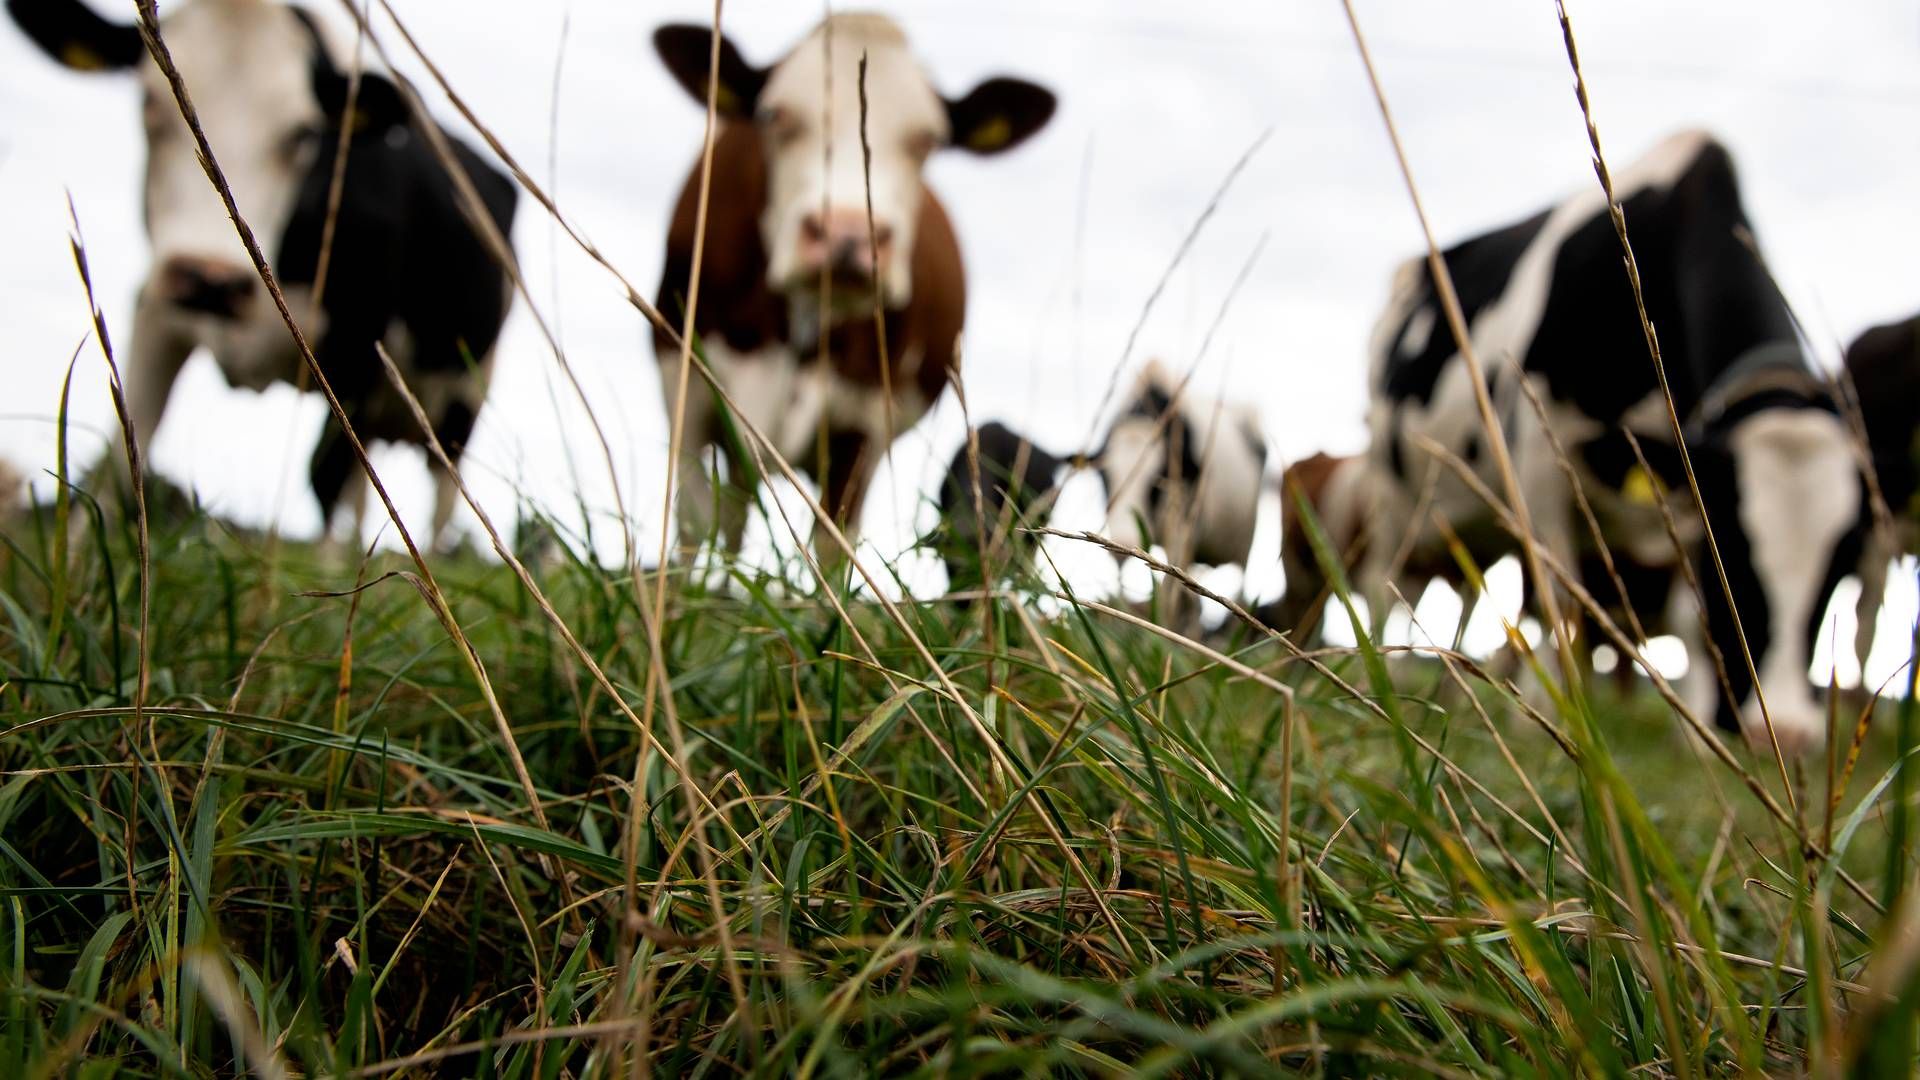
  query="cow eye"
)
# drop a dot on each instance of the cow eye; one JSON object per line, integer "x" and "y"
{"x": 300, "y": 140}
{"x": 779, "y": 124}
{"x": 153, "y": 112}
{"x": 920, "y": 144}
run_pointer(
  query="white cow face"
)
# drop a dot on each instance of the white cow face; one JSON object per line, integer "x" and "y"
{"x": 807, "y": 109}
{"x": 1799, "y": 491}
{"x": 248, "y": 68}
{"x": 267, "y": 96}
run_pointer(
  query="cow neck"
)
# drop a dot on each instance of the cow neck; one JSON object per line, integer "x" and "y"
{"x": 1774, "y": 375}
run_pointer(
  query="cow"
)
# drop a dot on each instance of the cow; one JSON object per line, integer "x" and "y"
{"x": 832, "y": 292}
{"x": 1338, "y": 493}
{"x": 1883, "y": 377}
{"x": 1182, "y": 471}
{"x": 407, "y": 269}
{"x": 1546, "y": 301}
{"x": 1018, "y": 482}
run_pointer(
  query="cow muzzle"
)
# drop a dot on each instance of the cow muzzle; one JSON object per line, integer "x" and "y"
{"x": 839, "y": 246}
{"x": 206, "y": 286}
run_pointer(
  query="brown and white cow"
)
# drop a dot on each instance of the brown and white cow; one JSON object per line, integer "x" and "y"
{"x": 1335, "y": 490}
{"x": 794, "y": 267}
{"x": 1342, "y": 495}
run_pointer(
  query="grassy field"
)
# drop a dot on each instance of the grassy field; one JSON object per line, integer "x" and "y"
{"x": 285, "y": 832}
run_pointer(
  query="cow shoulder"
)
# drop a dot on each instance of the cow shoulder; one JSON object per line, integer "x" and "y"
{"x": 937, "y": 310}
{"x": 735, "y": 302}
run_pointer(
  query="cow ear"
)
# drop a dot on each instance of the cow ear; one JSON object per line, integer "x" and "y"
{"x": 999, "y": 114}
{"x": 686, "y": 49}
{"x": 377, "y": 108}
{"x": 380, "y": 106}
{"x": 72, "y": 34}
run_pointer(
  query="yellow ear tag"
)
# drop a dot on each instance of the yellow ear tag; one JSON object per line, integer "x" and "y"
{"x": 81, "y": 58}
{"x": 725, "y": 101}
{"x": 359, "y": 121}
{"x": 991, "y": 135}
{"x": 1639, "y": 488}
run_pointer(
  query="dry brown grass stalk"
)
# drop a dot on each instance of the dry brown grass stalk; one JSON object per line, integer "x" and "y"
{"x": 130, "y": 446}
{"x": 1619, "y": 219}
{"x": 1483, "y": 398}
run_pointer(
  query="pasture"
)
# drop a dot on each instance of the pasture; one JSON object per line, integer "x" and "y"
{"x": 551, "y": 804}
{"x": 297, "y": 828}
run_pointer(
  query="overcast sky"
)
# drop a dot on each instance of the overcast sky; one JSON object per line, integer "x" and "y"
{"x": 1064, "y": 238}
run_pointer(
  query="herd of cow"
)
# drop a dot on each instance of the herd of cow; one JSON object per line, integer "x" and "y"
{"x": 828, "y": 297}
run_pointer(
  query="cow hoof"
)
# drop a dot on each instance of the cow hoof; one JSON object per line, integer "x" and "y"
{"x": 1799, "y": 736}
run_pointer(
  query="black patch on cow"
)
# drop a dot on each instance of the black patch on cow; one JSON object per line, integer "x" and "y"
{"x": 455, "y": 427}
{"x": 1707, "y": 292}
{"x": 1480, "y": 268}
{"x": 1720, "y": 493}
{"x": 999, "y": 114}
{"x": 1609, "y": 459}
{"x": 1648, "y": 589}
{"x": 1182, "y": 468}
{"x": 1002, "y": 483}
{"x": 686, "y": 49}
{"x": 332, "y": 465}
{"x": 73, "y": 34}
{"x": 405, "y": 256}
{"x": 1706, "y": 289}
{"x": 1884, "y": 366}
{"x": 378, "y": 104}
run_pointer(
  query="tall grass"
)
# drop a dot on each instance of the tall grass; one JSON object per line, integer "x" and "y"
{"x": 292, "y": 815}
{"x": 309, "y": 853}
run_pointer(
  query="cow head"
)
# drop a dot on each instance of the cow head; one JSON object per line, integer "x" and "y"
{"x": 807, "y": 109}
{"x": 267, "y": 94}
{"x": 1781, "y": 488}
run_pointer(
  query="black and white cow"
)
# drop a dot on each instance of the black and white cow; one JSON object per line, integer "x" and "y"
{"x": 1018, "y": 483}
{"x": 1883, "y": 368}
{"x": 407, "y": 268}
{"x": 1180, "y": 471}
{"x": 1547, "y": 300}
{"x": 1184, "y": 472}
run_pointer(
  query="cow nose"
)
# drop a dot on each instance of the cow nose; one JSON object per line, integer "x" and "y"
{"x": 208, "y": 286}
{"x": 840, "y": 242}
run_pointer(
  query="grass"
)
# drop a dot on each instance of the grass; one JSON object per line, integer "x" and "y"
{"x": 310, "y": 854}
{"x": 264, "y": 810}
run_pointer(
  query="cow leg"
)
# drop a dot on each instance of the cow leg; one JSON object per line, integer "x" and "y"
{"x": 1174, "y": 531}
{"x": 152, "y": 364}
{"x": 354, "y": 498}
{"x": 1699, "y": 688}
{"x": 1879, "y": 552}
{"x": 703, "y": 509}
{"x": 336, "y": 476}
{"x": 696, "y": 508}
{"x": 453, "y": 430}
{"x": 851, "y": 463}
{"x": 706, "y": 509}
